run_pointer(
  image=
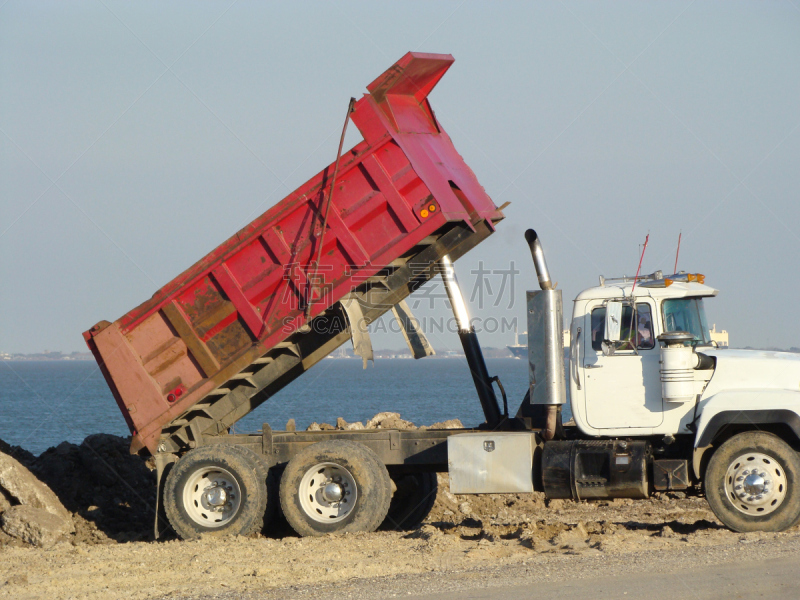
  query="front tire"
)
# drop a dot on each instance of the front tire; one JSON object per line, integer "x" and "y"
{"x": 218, "y": 490}
{"x": 336, "y": 486}
{"x": 752, "y": 483}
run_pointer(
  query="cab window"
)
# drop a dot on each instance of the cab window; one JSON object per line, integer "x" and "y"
{"x": 642, "y": 325}
{"x": 686, "y": 314}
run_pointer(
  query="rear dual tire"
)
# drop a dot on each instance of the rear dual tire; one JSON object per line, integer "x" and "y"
{"x": 218, "y": 490}
{"x": 336, "y": 486}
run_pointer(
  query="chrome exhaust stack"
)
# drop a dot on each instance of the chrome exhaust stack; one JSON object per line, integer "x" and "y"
{"x": 545, "y": 345}
{"x": 539, "y": 263}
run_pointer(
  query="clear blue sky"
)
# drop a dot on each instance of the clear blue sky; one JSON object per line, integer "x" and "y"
{"x": 135, "y": 137}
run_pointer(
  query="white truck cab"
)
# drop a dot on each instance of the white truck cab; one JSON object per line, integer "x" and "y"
{"x": 619, "y": 393}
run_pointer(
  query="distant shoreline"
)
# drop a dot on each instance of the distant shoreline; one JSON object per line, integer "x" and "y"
{"x": 20, "y": 359}
{"x": 46, "y": 356}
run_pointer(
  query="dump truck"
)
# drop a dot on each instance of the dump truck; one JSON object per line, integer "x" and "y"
{"x": 656, "y": 405}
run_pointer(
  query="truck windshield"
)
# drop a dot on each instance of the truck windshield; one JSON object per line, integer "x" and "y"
{"x": 687, "y": 314}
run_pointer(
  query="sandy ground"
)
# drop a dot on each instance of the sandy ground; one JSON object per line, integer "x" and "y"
{"x": 467, "y": 540}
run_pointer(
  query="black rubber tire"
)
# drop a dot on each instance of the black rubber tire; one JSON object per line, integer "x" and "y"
{"x": 412, "y": 500}
{"x": 273, "y": 501}
{"x": 250, "y": 474}
{"x": 373, "y": 485}
{"x": 787, "y": 459}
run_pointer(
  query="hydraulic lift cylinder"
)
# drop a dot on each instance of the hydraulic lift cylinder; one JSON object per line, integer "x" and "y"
{"x": 472, "y": 348}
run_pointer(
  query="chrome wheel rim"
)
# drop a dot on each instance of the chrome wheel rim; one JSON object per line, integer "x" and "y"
{"x": 327, "y": 493}
{"x": 755, "y": 483}
{"x": 212, "y": 497}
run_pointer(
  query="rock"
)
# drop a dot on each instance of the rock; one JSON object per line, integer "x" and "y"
{"x": 574, "y": 538}
{"x": 667, "y": 532}
{"x": 389, "y": 420}
{"x": 313, "y": 427}
{"x": 35, "y": 526}
{"x": 449, "y": 424}
{"x": 464, "y": 508}
{"x": 21, "y": 485}
{"x": 5, "y": 504}
{"x": 345, "y": 426}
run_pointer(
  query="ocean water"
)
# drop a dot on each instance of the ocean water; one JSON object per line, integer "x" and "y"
{"x": 45, "y": 403}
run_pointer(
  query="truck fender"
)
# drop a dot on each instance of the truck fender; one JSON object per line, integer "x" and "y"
{"x": 711, "y": 426}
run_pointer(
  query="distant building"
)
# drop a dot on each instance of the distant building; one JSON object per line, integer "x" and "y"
{"x": 721, "y": 337}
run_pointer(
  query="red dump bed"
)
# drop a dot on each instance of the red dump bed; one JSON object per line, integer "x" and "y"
{"x": 404, "y": 183}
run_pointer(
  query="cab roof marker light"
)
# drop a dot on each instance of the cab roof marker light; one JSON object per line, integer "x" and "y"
{"x": 700, "y": 278}
{"x": 668, "y": 282}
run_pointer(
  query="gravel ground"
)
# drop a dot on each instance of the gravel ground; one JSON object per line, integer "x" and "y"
{"x": 553, "y": 571}
{"x": 468, "y": 542}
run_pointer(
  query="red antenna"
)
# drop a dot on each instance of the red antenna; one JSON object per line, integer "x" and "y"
{"x": 633, "y": 288}
{"x": 678, "y": 252}
{"x": 646, "y": 239}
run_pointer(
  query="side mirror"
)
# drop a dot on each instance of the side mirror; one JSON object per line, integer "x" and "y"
{"x": 613, "y": 321}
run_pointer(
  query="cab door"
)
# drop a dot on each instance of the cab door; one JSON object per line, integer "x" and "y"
{"x": 623, "y": 390}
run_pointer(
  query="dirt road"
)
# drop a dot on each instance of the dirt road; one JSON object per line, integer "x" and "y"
{"x": 761, "y": 569}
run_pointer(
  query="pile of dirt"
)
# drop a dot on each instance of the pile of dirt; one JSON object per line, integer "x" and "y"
{"x": 30, "y": 513}
{"x": 109, "y": 494}
{"x": 112, "y": 491}
{"x": 564, "y": 526}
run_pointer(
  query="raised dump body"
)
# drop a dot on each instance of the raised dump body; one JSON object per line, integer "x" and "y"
{"x": 230, "y": 331}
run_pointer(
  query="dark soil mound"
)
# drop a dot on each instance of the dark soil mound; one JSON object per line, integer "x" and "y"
{"x": 102, "y": 482}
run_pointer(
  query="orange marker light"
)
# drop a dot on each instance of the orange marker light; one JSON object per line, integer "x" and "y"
{"x": 700, "y": 278}
{"x": 691, "y": 277}
{"x": 423, "y": 213}
{"x": 432, "y": 208}
{"x": 668, "y": 282}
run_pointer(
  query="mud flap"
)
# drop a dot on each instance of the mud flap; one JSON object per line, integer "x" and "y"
{"x": 417, "y": 342}
{"x": 163, "y": 462}
{"x": 359, "y": 334}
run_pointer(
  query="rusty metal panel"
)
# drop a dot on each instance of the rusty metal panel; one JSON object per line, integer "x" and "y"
{"x": 403, "y": 184}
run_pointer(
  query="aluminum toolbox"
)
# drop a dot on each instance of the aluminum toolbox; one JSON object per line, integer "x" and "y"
{"x": 491, "y": 462}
